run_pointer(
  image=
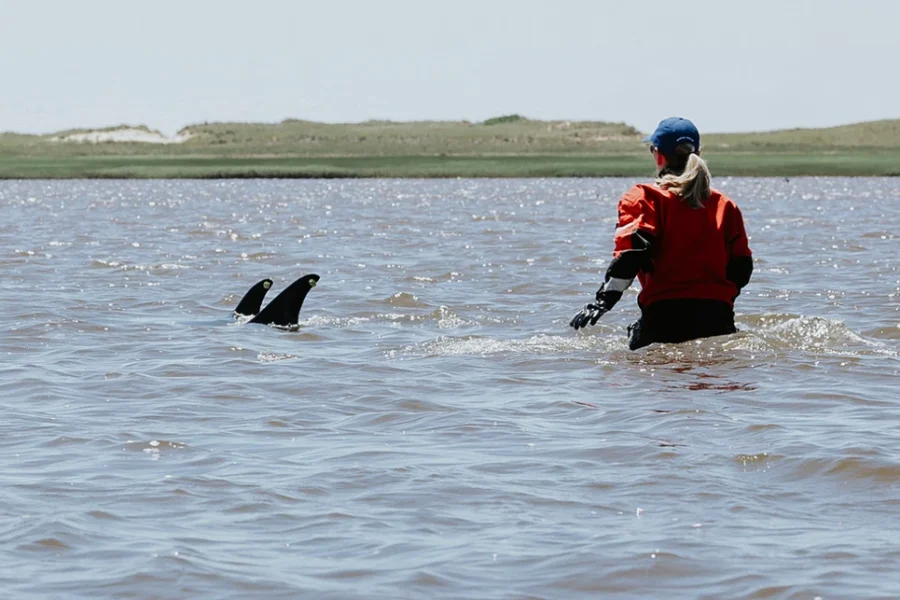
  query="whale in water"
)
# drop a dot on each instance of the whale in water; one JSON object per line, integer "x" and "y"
{"x": 283, "y": 311}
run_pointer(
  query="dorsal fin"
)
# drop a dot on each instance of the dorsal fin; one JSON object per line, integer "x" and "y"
{"x": 285, "y": 308}
{"x": 252, "y": 300}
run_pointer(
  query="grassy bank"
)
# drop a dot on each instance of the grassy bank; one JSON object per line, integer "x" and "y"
{"x": 503, "y": 148}
{"x": 630, "y": 165}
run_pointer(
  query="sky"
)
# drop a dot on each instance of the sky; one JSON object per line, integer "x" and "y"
{"x": 729, "y": 65}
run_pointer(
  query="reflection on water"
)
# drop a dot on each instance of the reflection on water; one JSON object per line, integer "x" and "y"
{"x": 434, "y": 429}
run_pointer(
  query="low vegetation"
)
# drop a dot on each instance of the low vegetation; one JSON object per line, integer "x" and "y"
{"x": 505, "y": 146}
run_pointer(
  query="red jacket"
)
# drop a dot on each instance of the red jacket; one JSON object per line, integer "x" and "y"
{"x": 691, "y": 248}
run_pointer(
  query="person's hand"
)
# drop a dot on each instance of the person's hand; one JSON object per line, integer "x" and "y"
{"x": 589, "y": 315}
{"x": 603, "y": 302}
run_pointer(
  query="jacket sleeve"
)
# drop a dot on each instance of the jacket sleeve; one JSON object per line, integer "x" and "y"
{"x": 636, "y": 232}
{"x": 740, "y": 258}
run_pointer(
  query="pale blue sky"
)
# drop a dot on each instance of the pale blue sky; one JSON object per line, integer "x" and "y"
{"x": 730, "y": 65}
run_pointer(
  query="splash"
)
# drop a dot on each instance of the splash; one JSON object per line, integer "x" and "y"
{"x": 777, "y": 332}
{"x": 538, "y": 344}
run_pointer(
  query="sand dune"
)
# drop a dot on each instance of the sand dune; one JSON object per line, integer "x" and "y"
{"x": 123, "y": 135}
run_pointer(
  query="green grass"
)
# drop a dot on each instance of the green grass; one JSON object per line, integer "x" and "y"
{"x": 627, "y": 165}
{"x": 507, "y": 146}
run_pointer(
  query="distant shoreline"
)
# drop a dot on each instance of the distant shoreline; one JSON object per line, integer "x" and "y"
{"x": 508, "y": 146}
{"x": 137, "y": 167}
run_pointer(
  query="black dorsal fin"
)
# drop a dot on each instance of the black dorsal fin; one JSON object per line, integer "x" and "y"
{"x": 285, "y": 308}
{"x": 252, "y": 300}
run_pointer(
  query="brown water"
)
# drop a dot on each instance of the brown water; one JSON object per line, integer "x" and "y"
{"x": 435, "y": 430}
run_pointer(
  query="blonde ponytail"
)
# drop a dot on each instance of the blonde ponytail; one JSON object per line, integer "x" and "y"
{"x": 687, "y": 176}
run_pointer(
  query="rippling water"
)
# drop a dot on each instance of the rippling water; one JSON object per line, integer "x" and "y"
{"x": 435, "y": 430}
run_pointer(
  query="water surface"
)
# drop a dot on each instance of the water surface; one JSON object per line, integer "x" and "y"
{"x": 434, "y": 429}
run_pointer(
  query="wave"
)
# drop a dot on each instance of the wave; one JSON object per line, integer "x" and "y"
{"x": 536, "y": 344}
{"x": 115, "y": 264}
{"x": 781, "y": 332}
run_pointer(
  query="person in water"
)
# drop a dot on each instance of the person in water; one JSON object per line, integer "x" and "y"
{"x": 683, "y": 240}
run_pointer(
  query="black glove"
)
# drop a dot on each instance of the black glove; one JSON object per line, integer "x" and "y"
{"x": 603, "y": 303}
{"x": 589, "y": 314}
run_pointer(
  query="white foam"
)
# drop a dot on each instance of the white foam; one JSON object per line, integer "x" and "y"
{"x": 816, "y": 334}
{"x": 321, "y": 320}
{"x": 267, "y": 357}
{"x": 537, "y": 344}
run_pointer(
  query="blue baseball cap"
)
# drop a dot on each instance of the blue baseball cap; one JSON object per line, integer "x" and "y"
{"x": 671, "y": 132}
